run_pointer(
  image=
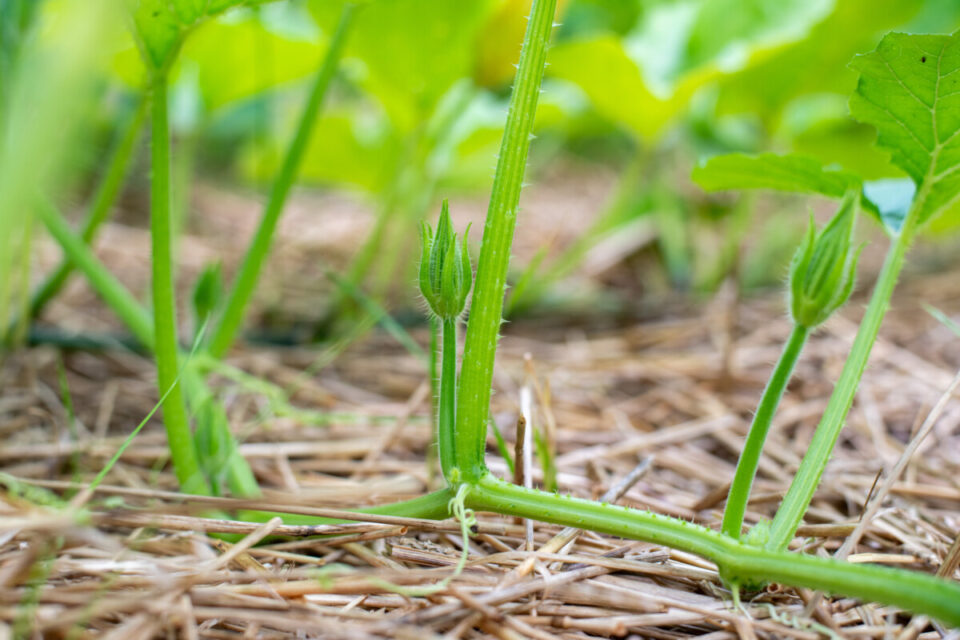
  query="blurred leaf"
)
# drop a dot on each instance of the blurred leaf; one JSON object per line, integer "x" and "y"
{"x": 726, "y": 31}
{"x": 411, "y": 51}
{"x": 589, "y": 17}
{"x": 815, "y": 64}
{"x": 645, "y": 80}
{"x": 497, "y": 46}
{"x": 348, "y": 146}
{"x": 615, "y": 85}
{"x": 161, "y": 25}
{"x": 909, "y": 89}
{"x": 241, "y": 58}
{"x": 47, "y": 93}
{"x": 770, "y": 171}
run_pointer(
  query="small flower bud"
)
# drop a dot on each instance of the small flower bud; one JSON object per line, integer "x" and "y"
{"x": 445, "y": 273}
{"x": 823, "y": 268}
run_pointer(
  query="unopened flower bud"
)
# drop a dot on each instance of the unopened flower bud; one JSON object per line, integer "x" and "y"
{"x": 445, "y": 273}
{"x": 823, "y": 268}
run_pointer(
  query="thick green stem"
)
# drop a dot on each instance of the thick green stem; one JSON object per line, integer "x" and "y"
{"x": 179, "y": 438}
{"x": 804, "y": 484}
{"x": 739, "y": 564}
{"x": 446, "y": 410}
{"x": 246, "y": 280}
{"x": 106, "y": 194}
{"x": 753, "y": 447}
{"x": 476, "y": 377}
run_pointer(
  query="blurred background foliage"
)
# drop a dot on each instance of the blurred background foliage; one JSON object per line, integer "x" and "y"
{"x": 646, "y": 88}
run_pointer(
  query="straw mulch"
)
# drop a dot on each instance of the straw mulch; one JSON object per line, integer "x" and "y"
{"x": 650, "y": 414}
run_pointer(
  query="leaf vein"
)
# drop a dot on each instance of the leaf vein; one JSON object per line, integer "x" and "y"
{"x": 908, "y": 90}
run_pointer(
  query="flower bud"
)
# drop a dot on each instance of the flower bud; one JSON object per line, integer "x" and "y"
{"x": 445, "y": 273}
{"x": 823, "y": 268}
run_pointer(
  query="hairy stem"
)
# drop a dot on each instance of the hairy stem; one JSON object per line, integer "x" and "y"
{"x": 753, "y": 447}
{"x": 446, "y": 409}
{"x": 739, "y": 564}
{"x": 110, "y": 184}
{"x": 179, "y": 438}
{"x": 476, "y": 377}
{"x": 246, "y": 280}
{"x": 795, "y": 503}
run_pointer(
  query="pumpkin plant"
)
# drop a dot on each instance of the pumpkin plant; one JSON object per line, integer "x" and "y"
{"x": 908, "y": 89}
{"x": 821, "y": 280}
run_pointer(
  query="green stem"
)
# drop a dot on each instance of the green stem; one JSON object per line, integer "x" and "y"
{"x": 433, "y": 366}
{"x": 432, "y": 506}
{"x": 246, "y": 280}
{"x": 752, "y": 448}
{"x": 179, "y": 438}
{"x": 804, "y": 484}
{"x": 476, "y": 377}
{"x": 739, "y": 564}
{"x": 113, "y": 178}
{"x": 79, "y": 255}
{"x": 446, "y": 410}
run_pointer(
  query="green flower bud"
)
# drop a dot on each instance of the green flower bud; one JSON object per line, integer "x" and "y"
{"x": 823, "y": 268}
{"x": 445, "y": 273}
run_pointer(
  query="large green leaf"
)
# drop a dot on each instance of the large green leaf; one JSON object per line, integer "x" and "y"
{"x": 887, "y": 200}
{"x": 816, "y": 64}
{"x": 770, "y": 171}
{"x": 161, "y": 25}
{"x": 410, "y": 52}
{"x": 909, "y": 89}
{"x": 243, "y": 57}
{"x": 646, "y": 79}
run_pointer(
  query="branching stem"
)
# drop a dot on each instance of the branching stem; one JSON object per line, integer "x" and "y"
{"x": 795, "y": 503}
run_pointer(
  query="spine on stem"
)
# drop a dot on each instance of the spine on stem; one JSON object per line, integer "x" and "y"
{"x": 739, "y": 564}
{"x": 483, "y": 327}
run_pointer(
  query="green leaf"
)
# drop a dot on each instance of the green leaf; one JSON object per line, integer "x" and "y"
{"x": 770, "y": 171}
{"x": 816, "y": 64}
{"x": 909, "y": 89}
{"x": 161, "y": 25}
{"x": 240, "y": 58}
{"x": 645, "y": 80}
{"x": 890, "y": 199}
{"x": 410, "y": 51}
